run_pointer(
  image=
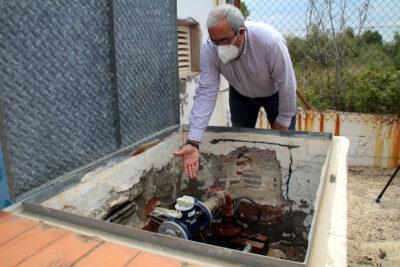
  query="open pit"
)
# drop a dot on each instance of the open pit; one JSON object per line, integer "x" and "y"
{"x": 261, "y": 197}
{"x": 273, "y": 179}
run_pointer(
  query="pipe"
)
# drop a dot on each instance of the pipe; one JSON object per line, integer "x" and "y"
{"x": 247, "y": 248}
{"x": 228, "y": 208}
{"x": 218, "y": 200}
{"x": 215, "y": 201}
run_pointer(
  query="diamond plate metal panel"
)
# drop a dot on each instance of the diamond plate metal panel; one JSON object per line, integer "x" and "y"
{"x": 56, "y": 97}
{"x": 71, "y": 93}
{"x": 147, "y": 60}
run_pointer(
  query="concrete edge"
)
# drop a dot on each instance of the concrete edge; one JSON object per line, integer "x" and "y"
{"x": 328, "y": 234}
{"x": 336, "y": 253}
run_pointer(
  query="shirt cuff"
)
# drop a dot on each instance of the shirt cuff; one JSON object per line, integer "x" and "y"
{"x": 284, "y": 119}
{"x": 196, "y": 135}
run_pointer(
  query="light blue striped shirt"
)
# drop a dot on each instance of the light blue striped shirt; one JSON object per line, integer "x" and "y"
{"x": 263, "y": 68}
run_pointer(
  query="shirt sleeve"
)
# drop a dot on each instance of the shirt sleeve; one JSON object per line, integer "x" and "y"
{"x": 282, "y": 74}
{"x": 206, "y": 94}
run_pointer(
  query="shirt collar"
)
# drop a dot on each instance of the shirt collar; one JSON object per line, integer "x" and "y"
{"x": 244, "y": 47}
{"x": 245, "y": 42}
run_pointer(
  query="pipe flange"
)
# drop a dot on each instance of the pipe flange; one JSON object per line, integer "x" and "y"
{"x": 171, "y": 228}
{"x": 206, "y": 211}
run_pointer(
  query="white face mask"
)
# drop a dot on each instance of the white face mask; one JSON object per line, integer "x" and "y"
{"x": 228, "y": 52}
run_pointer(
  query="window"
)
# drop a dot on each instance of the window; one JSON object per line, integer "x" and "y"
{"x": 188, "y": 47}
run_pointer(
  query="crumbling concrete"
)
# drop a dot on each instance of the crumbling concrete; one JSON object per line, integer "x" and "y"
{"x": 101, "y": 191}
{"x": 300, "y": 161}
{"x": 282, "y": 173}
{"x": 274, "y": 170}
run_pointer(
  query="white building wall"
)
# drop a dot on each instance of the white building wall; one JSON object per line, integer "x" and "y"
{"x": 198, "y": 10}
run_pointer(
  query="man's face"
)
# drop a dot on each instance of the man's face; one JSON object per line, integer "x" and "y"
{"x": 223, "y": 34}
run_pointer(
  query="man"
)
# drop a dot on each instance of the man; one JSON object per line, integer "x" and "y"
{"x": 254, "y": 58}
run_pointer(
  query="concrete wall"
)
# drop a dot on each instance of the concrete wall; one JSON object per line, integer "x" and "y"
{"x": 221, "y": 114}
{"x": 299, "y": 162}
{"x": 111, "y": 186}
{"x": 293, "y": 164}
{"x": 374, "y": 139}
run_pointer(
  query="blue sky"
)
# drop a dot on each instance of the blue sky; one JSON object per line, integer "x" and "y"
{"x": 290, "y": 16}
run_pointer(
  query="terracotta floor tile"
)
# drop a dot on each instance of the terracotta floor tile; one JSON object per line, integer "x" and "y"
{"x": 28, "y": 243}
{"x": 63, "y": 252}
{"x": 108, "y": 254}
{"x": 4, "y": 216}
{"x": 146, "y": 259}
{"x": 13, "y": 227}
{"x": 31, "y": 243}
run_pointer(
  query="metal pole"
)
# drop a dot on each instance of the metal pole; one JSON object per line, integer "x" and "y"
{"x": 303, "y": 99}
{"x": 387, "y": 185}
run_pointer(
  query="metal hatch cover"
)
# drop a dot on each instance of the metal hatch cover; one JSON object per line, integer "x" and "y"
{"x": 82, "y": 79}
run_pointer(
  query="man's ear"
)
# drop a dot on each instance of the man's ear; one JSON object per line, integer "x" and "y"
{"x": 242, "y": 31}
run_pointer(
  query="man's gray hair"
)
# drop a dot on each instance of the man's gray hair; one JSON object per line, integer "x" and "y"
{"x": 229, "y": 12}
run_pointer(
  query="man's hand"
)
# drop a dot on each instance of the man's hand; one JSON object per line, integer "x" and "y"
{"x": 277, "y": 126}
{"x": 191, "y": 157}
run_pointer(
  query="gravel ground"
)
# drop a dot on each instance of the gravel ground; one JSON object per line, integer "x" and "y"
{"x": 373, "y": 229}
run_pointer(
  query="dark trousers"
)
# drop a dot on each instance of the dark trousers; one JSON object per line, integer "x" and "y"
{"x": 244, "y": 110}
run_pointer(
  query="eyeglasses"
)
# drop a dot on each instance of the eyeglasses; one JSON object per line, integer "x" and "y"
{"x": 226, "y": 41}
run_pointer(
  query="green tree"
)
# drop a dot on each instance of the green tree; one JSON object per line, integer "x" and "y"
{"x": 243, "y": 8}
{"x": 392, "y": 49}
{"x": 373, "y": 91}
{"x": 371, "y": 37}
{"x": 370, "y": 81}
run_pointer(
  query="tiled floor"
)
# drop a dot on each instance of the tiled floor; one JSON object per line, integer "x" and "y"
{"x": 30, "y": 243}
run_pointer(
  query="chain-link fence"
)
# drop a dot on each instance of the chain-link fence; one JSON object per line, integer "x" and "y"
{"x": 346, "y": 53}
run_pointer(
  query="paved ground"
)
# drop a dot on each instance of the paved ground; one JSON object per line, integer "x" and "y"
{"x": 32, "y": 243}
{"x": 373, "y": 229}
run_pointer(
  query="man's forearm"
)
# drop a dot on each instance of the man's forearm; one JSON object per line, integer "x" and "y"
{"x": 278, "y": 126}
